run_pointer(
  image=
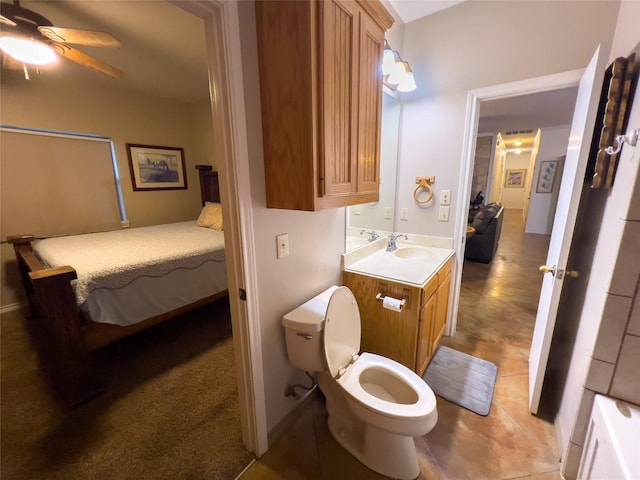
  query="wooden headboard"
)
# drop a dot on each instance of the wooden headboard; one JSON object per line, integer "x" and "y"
{"x": 209, "y": 186}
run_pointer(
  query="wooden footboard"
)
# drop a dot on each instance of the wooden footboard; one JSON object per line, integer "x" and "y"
{"x": 64, "y": 339}
{"x": 57, "y": 323}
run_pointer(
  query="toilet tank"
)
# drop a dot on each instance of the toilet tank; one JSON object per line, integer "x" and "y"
{"x": 304, "y": 332}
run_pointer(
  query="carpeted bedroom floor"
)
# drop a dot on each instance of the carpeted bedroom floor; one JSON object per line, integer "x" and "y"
{"x": 169, "y": 409}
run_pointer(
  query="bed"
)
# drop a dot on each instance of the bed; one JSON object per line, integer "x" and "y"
{"x": 87, "y": 291}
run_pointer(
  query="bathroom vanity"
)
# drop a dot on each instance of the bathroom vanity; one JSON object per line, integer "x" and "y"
{"x": 419, "y": 275}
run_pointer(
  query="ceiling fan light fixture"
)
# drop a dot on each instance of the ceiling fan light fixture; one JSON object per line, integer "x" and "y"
{"x": 26, "y": 50}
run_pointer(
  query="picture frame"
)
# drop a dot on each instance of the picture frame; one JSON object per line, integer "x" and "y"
{"x": 156, "y": 168}
{"x": 515, "y": 178}
{"x": 546, "y": 176}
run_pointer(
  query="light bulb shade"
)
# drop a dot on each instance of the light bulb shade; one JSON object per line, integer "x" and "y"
{"x": 28, "y": 51}
{"x": 408, "y": 83}
{"x": 398, "y": 73}
{"x": 389, "y": 60}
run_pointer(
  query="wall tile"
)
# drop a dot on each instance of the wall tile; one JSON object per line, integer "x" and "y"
{"x": 614, "y": 319}
{"x": 582, "y": 418}
{"x": 627, "y": 265}
{"x": 571, "y": 461}
{"x": 599, "y": 376}
{"x": 634, "y": 322}
{"x": 626, "y": 380}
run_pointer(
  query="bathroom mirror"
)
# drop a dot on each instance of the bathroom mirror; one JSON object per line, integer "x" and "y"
{"x": 379, "y": 216}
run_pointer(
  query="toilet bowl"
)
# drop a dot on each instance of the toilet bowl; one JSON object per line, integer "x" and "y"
{"x": 375, "y": 405}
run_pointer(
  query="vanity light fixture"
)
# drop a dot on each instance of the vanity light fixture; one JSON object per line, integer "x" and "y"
{"x": 397, "y": 73}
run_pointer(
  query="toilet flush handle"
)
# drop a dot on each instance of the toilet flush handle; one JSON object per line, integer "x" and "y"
{"x": 306, "y": 336}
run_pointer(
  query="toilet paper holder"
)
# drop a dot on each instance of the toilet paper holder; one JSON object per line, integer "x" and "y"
{"x": 404, "y": 302}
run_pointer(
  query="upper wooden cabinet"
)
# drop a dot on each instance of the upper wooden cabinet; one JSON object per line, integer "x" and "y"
{"x": 321, "y": 94}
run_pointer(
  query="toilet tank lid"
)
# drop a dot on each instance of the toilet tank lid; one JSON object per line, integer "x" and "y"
{"x": 310, "y": 316}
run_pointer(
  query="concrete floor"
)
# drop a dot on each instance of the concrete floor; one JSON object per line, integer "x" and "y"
{"x": 495, "y": 322}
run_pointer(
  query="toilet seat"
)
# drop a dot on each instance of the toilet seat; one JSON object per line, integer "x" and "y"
{"x": 342, "y": 333}
{"x": 350, "y": 382}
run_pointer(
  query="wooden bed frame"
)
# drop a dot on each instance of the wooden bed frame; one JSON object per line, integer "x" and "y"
{"x": 67, "y": 336}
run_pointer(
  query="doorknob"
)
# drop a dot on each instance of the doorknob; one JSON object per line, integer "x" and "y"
{"x": 573, "y": 274}
{"x": 545, "y": 269}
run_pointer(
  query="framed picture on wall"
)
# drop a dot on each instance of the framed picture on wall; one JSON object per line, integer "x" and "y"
{"x": 156, "y": 168}
{"x": 515, "y": 178}
{"x": 546, "y": 176}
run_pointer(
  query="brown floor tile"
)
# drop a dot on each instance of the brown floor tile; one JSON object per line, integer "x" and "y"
{"x": 511, "y": 394}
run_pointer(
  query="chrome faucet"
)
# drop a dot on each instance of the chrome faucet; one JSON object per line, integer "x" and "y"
{"x": 372, "y": 234}
{"x": 391, "y": 246}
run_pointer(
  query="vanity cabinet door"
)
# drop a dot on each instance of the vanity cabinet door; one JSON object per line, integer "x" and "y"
{"x": 386, "y": 332}
{"x": 442, "y": 306}
{"x": 425, "y": 344}
{"x": 369, "y": 109}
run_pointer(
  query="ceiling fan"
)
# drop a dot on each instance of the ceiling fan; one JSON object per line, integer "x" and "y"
{"x": 25, "y": 28}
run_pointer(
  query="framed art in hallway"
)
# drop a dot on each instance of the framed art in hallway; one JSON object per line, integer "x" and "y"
{"x": 546, "y": 176}
{"x": 156, "y": 168}
{"x": 514, "y": 178}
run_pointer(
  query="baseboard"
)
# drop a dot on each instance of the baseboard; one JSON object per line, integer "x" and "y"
{"x": 277, "y": 431}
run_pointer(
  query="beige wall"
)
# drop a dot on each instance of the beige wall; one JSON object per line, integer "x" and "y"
{"x": 513, "y": 197}
{"x": 542, "y": 206}
{"x": 473, "y": 45}
{"x": 54, "y": 103}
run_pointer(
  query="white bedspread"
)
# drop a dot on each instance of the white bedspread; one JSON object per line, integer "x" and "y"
{"x": 112, "y": 260}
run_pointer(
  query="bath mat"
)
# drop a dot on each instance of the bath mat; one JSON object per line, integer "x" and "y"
{"x": 462, "y": 379}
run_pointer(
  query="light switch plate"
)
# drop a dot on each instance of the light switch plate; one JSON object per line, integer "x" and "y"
{"x": 357, "y": 209}
{"x": 445, "y": 197}
{"x": 387, "y": 212}
{"x": 282, "y": 243}
{"x": 404, "y": 214}
{"x": 443, "y": 214}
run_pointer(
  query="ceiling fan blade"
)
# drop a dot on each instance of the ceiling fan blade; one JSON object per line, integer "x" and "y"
{"x": 7, "y": 21}
{"x": 87, "y": 61}
{"x": 79, "y": 37}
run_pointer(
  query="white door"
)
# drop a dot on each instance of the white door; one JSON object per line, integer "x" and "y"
{"x": 564, "y": 222}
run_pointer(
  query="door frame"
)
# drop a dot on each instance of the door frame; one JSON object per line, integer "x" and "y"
{"x": 474, "y": 98}
{"x": 224, "y": 58}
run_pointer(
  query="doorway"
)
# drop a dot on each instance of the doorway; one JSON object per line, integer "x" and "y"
{"x": 536, "y": 127}
{"x": 503, "y": 96}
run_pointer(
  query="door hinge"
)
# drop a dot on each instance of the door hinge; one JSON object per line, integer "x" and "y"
{"x": 243, "y": 294}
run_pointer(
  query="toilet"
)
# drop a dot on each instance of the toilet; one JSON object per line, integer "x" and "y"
{"x": 375, "y": 405}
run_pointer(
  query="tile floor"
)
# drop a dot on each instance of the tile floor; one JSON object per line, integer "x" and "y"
{"x": 497, "y": 313}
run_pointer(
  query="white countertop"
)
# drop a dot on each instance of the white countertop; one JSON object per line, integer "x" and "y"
{"x": 412, "y": 263}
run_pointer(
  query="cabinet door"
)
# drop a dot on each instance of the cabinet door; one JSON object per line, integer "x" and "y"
{"x": 340, "y": 26}
{"x": 385, "y": 332}
{"x": 425, "y": 327}
{"x": 442, "y": 306}
{"x": 370, "y": 106}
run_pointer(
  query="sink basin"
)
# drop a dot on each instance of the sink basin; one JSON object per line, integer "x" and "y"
{"x": 412, "y": 253}
{"x": 410, "y": 263}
